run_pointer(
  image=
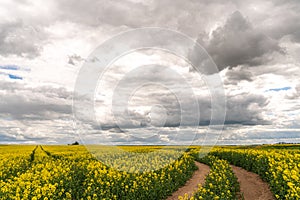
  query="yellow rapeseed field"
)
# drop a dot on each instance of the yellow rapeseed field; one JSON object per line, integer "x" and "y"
{"x": 139, "y": 172}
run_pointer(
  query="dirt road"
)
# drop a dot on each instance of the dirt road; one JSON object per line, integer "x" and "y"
{"x": 192, "y": 184}
{"x": 252, "y": 186}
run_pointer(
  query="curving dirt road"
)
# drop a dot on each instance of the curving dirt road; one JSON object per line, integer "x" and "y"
{"x": 252, "y": 186}
{"x": 192, "y": 184}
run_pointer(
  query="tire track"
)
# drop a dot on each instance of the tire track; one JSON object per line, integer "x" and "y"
{"x": 31, "y": 158}
{"x": 252, "y": 186}
{"x": 50, "y": 154}
{"x": 192, "y": 184}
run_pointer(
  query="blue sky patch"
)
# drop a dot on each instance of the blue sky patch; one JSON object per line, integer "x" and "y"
{"x": 12, "y": 71}
{"x": 279, "y": 89}
{"x": 11, "y": 76}
{"x": 14, "y": 68}
{"x": 10, "y": 67}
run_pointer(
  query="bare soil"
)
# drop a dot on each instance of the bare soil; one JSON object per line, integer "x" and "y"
{"x": 192, "y": 184}
{"x": 252, "y": 186}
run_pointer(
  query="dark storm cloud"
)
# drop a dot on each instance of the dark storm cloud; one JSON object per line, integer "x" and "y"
{"x": 240, "y": 109}
{"x": 288, "y": 25}
{"x": 19, "y": 102}
{"x": 283, "y": 20}
{"x": 191, "y": 18}
{"x": 246, "y": 109}
{"x": 238, "y": 43}
{"x": 6, "y": 138}
{"x": 237, "y": 74}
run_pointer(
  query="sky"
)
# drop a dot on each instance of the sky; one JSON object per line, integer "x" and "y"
{"x": 249, "y": 58}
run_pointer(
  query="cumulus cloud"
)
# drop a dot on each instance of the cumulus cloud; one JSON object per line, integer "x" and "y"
{"x": 246, "y": 109}
{"x": 286, "y": 24}
{"x": 35, "y": 114}
{"x": 255, "y": 48}
{"x": 162, "y": 99}
{"x": 237, "y": 74}
{"x": 238, "y": 43}
{"x": 20, "y": 102}
{"x": 17, "y": 38}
